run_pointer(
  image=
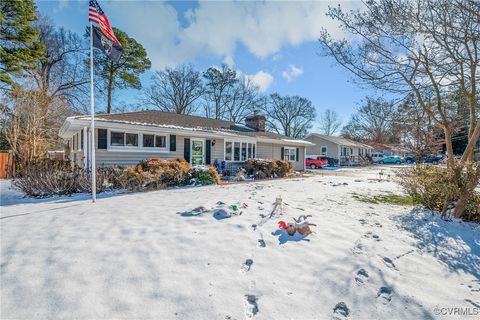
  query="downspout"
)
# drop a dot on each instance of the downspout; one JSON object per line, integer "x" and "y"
{"x": 85, "y": 148}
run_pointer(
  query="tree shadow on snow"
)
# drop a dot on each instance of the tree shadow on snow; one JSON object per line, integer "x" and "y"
{"x": 455, "y": 244}
{"x": 284, "y": 237}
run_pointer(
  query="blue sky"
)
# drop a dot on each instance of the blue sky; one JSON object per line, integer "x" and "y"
{"x": 274, "y": 43}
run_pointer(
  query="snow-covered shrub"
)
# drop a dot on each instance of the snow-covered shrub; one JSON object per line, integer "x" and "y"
{"x": 204, "y": 175}
{"x": 262, "y": 169}
{"x": 132, "y": 179}
{"x": 46, "y": 177}
{"x": 161, "y": 173}
{"x": 106, "y": 180}
{"x": 283, "y": 168}
{"x": 435, "y": 188}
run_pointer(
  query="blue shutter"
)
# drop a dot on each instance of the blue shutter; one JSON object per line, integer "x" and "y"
{"x": 208, "y": 152}
{"x": 102, "y": 139}
{"x": 173, "y": 142}
{"x": 186, "y": 149}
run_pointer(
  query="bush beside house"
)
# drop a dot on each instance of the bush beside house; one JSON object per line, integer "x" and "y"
{"x": 262, "y": 169}
{"x": 49, "y": 177}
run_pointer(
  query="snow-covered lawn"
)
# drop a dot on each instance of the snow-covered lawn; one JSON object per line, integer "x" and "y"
{"x": 131, "y": 256}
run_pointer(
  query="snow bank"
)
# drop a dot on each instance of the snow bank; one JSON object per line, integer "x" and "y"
{"x": 132, "y": 256}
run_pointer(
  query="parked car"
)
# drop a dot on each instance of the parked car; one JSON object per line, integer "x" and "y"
{"x": 432, "y": 159}
{"x": 391, "y": 160}
{"x": 410, "y": 159}
{"x": 316, "y": 162}
{"x": 332, "y": 162}
{"x": 377, "y": 157}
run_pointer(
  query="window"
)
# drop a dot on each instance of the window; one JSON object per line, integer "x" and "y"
{"x": 81, "y": 139}
{"x": 290, "y": 154}
{"x": 160, "y": 141}
{"x": 323, "y": 151}
{"x": 75, "y": 142}
{"x": 148, "y": 140}
{"x": 239, "y": 151}
{"x": 228, "y": 151}
{"x": 117, "y": 138}
{"x": 131, "y": 139}
{"x": 236, "y": 151}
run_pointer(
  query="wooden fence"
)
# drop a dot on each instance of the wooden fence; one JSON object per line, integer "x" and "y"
{"x": 6, "y": 165}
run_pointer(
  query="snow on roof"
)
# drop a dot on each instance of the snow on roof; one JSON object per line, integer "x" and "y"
{"x": 341, "y": 141}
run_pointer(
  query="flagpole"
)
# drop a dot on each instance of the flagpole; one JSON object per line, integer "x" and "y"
{"x": 92, "y": 122}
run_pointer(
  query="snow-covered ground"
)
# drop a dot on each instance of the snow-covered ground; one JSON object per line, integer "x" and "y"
{"x": 131, "y": 256}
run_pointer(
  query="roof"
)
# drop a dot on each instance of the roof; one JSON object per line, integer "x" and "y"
{"x": 341, "y": 141}
{"x": 180, "y": 121}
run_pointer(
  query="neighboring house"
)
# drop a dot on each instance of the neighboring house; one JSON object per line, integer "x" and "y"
{"x": 390, "y": 150}
{"x": 124, "y": 139}
{"x": 346, "y": 151}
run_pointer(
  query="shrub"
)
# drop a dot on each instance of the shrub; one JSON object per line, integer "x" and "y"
{"x": 436, "y": 187}
{"x": 161, "y": 173}
{"x": 131, "y": 179}
{"x": 283, "y": 168}
{"x": 262, "y": 169}
{"x": 46, "y": 177}
{"x": 204, "y": 175}
{"x": 106, "y": 180}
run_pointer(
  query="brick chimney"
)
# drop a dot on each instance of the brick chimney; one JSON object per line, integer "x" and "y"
{"x": 256, "y": 121}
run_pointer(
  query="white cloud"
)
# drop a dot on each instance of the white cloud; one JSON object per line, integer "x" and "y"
{"x": 262, "y": 79}
{"x": 292, "y": 72}
{"x": 216, "y": 28}
{"x": 228, "y": 60}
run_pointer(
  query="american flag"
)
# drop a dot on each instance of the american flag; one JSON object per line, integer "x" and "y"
{"x": 96, "y": 15}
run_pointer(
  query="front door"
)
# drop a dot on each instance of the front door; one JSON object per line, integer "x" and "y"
{"x": 197, "y": 152}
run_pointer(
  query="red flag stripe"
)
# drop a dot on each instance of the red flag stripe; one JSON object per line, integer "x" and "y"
{"x": 102, "y": 20}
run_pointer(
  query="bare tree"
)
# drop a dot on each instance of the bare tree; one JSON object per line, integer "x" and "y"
{"x": 416, "y": 129}
{"x": 245, "y": 98}
{"x": 374, "y": 121}
{"x": 329, "y": 122}
{"x": 33, "y": 112}
{"x": 62, "y": 73}
{"x": 219, "y": 88}
{"x": 175, "y": 90}
{"x": 426, "y": 47}
{"x": 290, "y": 116}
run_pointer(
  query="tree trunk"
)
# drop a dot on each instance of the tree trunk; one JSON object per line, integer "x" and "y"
{"x": 110, "y": 88}
{"x": 472, "y": 178}
{"x": 448, "y": 144}
{"x": 109, "y": 96}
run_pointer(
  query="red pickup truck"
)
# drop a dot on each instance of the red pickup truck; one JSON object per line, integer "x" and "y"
{"x": 317, "y": 162}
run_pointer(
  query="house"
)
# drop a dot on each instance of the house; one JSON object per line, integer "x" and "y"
{"x": 390, "y": 150}
{"x": 346, "y": 151}
{"x": 124, "y": 139}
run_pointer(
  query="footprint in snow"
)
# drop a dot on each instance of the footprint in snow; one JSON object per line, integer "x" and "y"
{"x": 247, "y": 265}
{"x": 377, "y": 224}
{"x": 362, "y": 221}
{"x": 358, "y": 248}
{"x": 369, "y": 235}
{"x": 254, "y": 227}
{"x": 389, "y": 263}
{"x": 385, "y": 294}
{"x": 362, "y": 276}
{"x": 261, "y": 243}
{"x": 251, "y": 306}
{"x": 340, "y": 311}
